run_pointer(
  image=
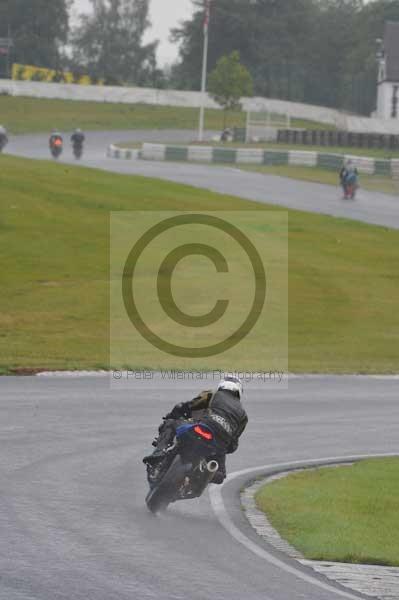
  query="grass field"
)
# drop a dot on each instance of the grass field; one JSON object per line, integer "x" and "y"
{"x": 345, "y": 514}
{"x": 31, "y": 115}
{"x": 54, "y": 247}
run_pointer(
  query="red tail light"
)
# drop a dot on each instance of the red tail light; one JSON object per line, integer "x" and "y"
{"x": 204, "y": 433}
{"x": 57, "y": 143}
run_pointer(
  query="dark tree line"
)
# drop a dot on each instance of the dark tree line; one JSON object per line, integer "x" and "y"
{"x": 39, "y": 28}
{"x": 314, "y": 51}
{"x": 106, "y": 44}
{"x": 109, "y": 43}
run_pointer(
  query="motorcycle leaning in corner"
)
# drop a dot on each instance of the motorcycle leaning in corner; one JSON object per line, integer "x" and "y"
{"x": 194, "y": 439}
{"x": 189, "y": 465}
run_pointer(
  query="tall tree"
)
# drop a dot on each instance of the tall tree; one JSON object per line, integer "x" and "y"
{"x": 228, "y": 82}
{"x": 329, "y": 48}
{"x": 38, "y": 27}
{"x": 109, "y": 42}
{"x": 270, "y": 35}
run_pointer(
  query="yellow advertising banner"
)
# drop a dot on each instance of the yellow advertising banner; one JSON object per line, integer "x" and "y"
{"x": 31, "y": 73}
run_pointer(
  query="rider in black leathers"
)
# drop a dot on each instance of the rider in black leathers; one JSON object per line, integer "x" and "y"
{"x": 78, "y": 138}
{"x": 222, "y": 410}
{"x": 3, "y": 137}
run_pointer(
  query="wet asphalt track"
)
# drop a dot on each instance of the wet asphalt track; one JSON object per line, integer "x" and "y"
{"x": 73, "y": 524}
{"x": 369, "y": 207}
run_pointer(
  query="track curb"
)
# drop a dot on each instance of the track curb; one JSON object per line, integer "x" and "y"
{"x": 372, "y": 580}
{"x": 316, "y": 574}
{"x": 237, "y": 156}
{"x": 123, "y": 153}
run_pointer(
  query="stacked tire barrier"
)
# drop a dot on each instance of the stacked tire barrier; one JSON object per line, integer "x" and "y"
{"x": 258, "y": 156}
{"x": 338, "y": 139}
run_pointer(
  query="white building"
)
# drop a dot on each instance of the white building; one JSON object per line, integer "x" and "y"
{"x": 388, "y": 74}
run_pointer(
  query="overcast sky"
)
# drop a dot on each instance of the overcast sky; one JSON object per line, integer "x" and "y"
{"x": 165, "y": 14}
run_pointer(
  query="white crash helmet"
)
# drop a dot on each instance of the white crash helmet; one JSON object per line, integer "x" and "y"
{"x": 232, "y": 384}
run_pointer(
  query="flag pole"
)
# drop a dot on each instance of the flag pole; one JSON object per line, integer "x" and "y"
{"x": 204, "y": 70}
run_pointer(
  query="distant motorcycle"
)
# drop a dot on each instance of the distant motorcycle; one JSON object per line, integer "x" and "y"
{"x": 188, "y": 467}
{"x": 350, "y": 185}
{"x": 77, "y": 151}
{"x": 56, "y": 147}
{"x": 350, "y": 190}
{"x": 3, "y": 141}
{"x": 349, "y": 180}
{"x": 77, "y": 140}
{"x": 226, "y": 135}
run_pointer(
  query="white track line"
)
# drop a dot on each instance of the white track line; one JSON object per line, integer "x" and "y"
{"x": 223, "y": 517}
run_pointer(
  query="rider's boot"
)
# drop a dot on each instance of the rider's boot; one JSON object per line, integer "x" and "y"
{"x": 220, "y": 474}
{"x": 163, "y": 442}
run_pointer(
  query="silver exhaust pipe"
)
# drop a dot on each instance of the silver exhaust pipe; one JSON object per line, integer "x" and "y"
{"x": 212, "y": 466}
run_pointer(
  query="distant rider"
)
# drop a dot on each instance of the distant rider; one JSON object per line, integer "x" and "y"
{"x": 348, "y": 176}
{"x": 226, "y": 135}
{"x": 55, "y": 138}
{"x": 78, "y": 138}
{"x": 221, "y": 410}
{"x": 3, "y": 137}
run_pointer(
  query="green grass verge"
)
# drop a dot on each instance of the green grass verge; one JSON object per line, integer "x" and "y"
{"x": 32, "y": 115}
{"x": 317, "y": 175}
{"x": 344, "y": 514}
{"x": 343, "y": 277}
